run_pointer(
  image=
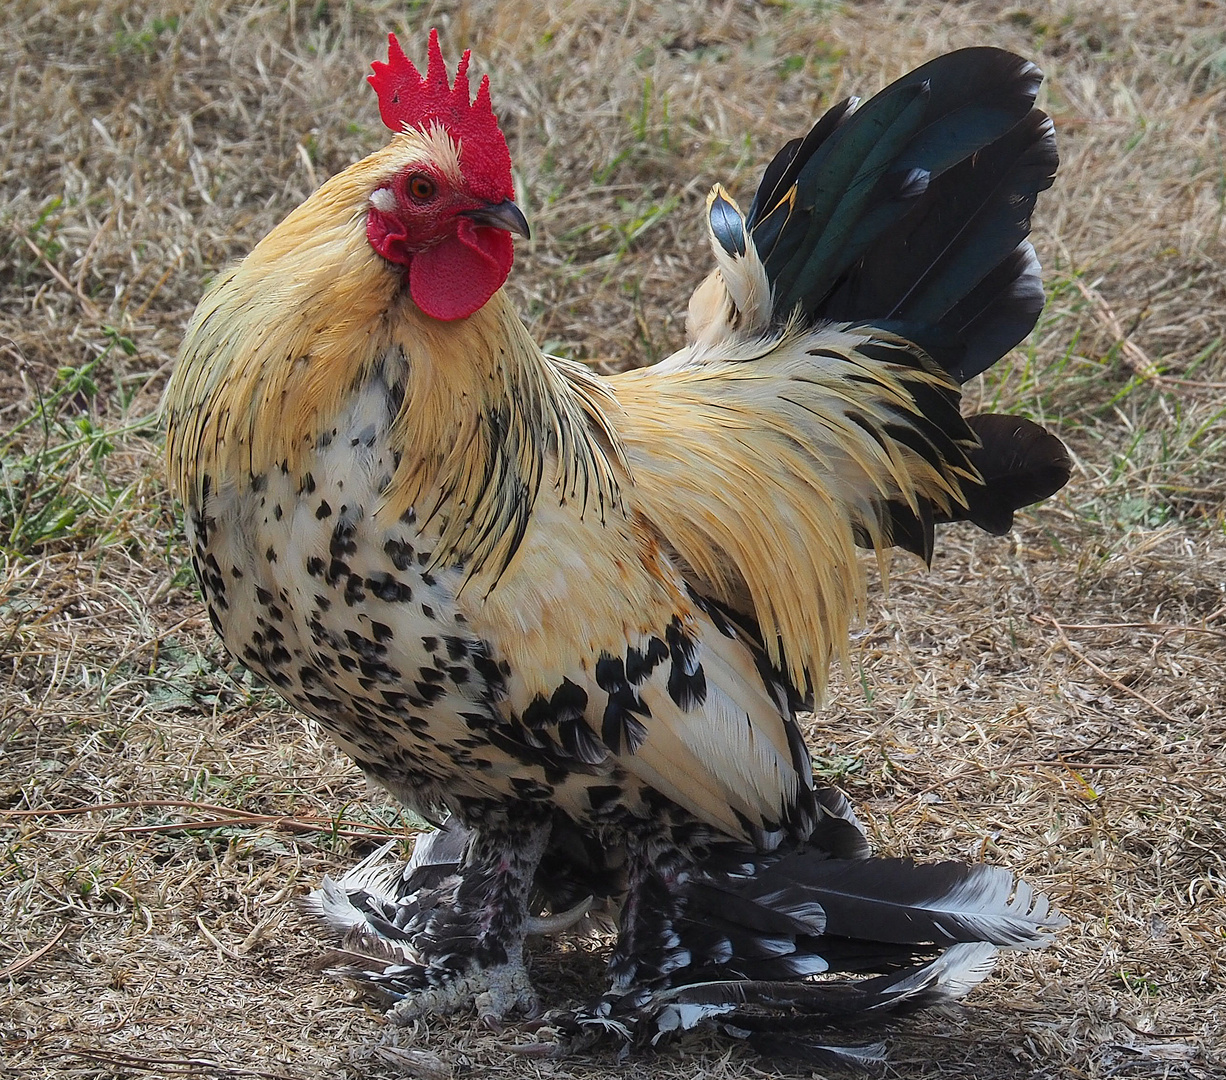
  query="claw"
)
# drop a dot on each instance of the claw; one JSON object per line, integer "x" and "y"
{"x": 536, "y": 1049}
{"x": 562, "y": 920}
{"x": 487, "y": 1017}
{"x": 496, "y": 992}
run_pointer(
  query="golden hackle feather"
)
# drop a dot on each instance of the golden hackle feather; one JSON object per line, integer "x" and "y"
{"x": 278, "y": 340}
{"x": 486, "y": 421}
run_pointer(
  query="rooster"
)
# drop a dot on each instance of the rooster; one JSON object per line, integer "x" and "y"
{"x": 576, "y": 617}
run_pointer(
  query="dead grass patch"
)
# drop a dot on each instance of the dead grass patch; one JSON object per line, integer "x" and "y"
{"x": 1053, "y": 701}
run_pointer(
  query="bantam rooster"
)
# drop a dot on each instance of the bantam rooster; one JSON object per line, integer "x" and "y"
{"x": 576, "y": 616}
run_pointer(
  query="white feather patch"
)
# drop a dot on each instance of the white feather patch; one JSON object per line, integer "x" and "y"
{"x": 383, "y": 200}
{"x": 954, "y": 974}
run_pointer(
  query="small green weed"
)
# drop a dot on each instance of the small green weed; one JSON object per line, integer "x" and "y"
{"x": 144, "y": 42}
{"x": 46, "y": 455}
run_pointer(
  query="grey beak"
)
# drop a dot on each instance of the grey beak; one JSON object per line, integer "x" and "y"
{"x": 503, "y": 215}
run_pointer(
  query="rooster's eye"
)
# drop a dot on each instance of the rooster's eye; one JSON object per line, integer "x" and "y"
{"x": 421, "y": 187}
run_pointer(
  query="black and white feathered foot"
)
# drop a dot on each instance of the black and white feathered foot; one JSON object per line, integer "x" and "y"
{"x": 780, "y": 949}
{"x": 446, "y": 932}
{"x": 649, "y": 949}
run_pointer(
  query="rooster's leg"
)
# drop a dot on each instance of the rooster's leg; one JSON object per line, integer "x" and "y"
{"x": 648, "y": 950}
{"x": 472, "y": 952}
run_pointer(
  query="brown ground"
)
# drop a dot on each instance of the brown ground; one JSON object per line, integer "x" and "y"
{"x": 1052, "y": 701}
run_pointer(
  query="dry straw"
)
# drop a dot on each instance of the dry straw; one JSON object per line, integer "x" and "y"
{"x": 1053, "y": 701}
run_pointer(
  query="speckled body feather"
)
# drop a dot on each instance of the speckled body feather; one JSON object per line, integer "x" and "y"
{"x": 578, "y": 615}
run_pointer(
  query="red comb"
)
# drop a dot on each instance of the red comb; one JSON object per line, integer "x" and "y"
{"x": 406, "y": 100}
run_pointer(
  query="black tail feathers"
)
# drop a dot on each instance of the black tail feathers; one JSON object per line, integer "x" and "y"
{"x": 1019, "y": 462}
{"x": 910, "y": 214}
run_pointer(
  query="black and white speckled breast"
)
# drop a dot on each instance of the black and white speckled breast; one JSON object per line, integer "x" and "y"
{"x": 588, "y": 682}
{"x": 336, "y": 609}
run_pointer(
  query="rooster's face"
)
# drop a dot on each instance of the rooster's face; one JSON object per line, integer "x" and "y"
{"x": 452, "y": 239}
{"x": 446, "y": 211}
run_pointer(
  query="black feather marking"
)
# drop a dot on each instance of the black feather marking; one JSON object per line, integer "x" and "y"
{"x": 485, "y": 666}
{"x": 342, "y": 541}
{"x": 687, "y": 683}
{"x": 837, "y": 831}
{"x": 727, "y": 226}
{"x": 956, "y": 274}
{"x": 620, "y": 727}
{"x": 808, "y": 1051}
{"x": 569, "y": 701}
{"x": 909, "y": 530}
{"x": 538, "y": 715}
{"x": 580, "y": 741}
{"x": 835, "y": 189}
{"x": 388, "y": 589}
{"x": 1020, "y": 463}
{"x": 1000, "y": 311}
{"x": 779, "y": 178}
{"x": 400, "y": 553}
{"x": 770, "y": 228}
{"x": 737, "y": 914}
{"x": 887, "y": 352}
{"x": 602, "y": 795}
{"x": 640, "y": 664}
{"x": 910, "y": 431}
{"x": 939, "y": 405}
{"x": 563, "y": 711}
{"x": 982, "y": 214}
{"x": 715, "y": 612}
{"x": 429, "y": 692}
{"x": 610, "y": 673}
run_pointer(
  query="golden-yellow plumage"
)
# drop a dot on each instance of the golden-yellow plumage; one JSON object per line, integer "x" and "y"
{"x": 763, "y": 496}
{"x": 280, "y": 338}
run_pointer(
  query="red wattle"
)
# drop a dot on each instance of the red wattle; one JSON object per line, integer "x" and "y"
{"x": 454, "y": 278}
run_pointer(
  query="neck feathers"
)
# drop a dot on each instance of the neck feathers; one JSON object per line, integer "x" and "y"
{"x": 487, "y": 421}
{"x": 277, "y": 342}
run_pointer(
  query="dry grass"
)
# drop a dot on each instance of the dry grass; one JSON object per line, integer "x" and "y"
{"x": 1053, "y": 701}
